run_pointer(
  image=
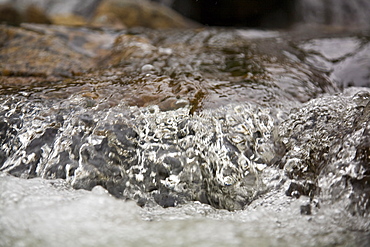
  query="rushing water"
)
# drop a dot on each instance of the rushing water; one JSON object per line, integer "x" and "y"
{"x": 334, "y": 12}
{"x": 40, "y": 212}
{"x": 204, "y": 137}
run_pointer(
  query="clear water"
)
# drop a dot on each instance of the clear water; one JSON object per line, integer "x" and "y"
{"x": 200, "y": 137}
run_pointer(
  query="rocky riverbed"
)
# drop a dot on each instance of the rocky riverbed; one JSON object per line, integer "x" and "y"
{"x": 200, "y": 136}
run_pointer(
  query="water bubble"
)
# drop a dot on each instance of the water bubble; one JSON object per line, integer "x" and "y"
{"x": 147, "y": 68}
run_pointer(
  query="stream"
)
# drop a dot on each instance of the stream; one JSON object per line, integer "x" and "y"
{"x": 194, "y": 137}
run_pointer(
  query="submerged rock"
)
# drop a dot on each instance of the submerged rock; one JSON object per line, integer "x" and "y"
{"x": 27, "y": 53}
{"x": 326, "y": 144}
{"x": 203, "y": 68}
{"x": 145, "y": 154}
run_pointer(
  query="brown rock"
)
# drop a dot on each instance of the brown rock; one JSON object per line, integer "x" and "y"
{"x": 133, "y": 13}
{"x": 69, "y": 20}
{"x": 9, "y": 15}
{"x": 29, "y": 53}
{"x": 107, "y": 20}
{"x": 100, "y": 13}
{"x": 34, "y": 14}
{"x": 128, "y": 48}
{"x": 19, "y": 81}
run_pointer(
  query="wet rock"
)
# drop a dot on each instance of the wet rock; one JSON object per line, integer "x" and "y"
{"x": 327, "y": 148}
{"x": 141, "y": 13}
{"x": 130, "y": 47}
{"x": 344, "y": 59}
{"x": 190, "y": 63}
{"x": 306, "y": 209}
{"x": 50, "y": 11}
{"x": 35, "y": 14}
{"x": 70, "y": 20}
{"x": 354, "y": 70}
{"x": 109, "y": 20}
{"x": 306, "y": 188}
{"x": 27, "y": 53}
{"x": 9, "y": 15}
{"x": 137, "y": 154}
{"x": 193, "y": 115}
{"x": 165, "y": 200}
{"x": 102, "y": 13}
{"x": 182, "y": 68}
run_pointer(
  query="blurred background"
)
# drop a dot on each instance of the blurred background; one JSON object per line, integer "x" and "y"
{"x": 274, "y": 13}
{"x": 188, "y": 13}
{"x": 250, "y": 13}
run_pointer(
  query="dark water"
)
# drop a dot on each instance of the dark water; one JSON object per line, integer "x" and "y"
{"x": 209, "y": 137}
{"x": 275, "y": 13}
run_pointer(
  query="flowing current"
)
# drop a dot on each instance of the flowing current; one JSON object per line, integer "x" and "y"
{"x": 203, "y": 137}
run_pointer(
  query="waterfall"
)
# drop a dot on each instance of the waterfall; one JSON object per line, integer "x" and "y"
{"x": 353, "y": 13}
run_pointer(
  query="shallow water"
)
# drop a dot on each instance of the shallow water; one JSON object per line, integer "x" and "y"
{"x": 202, "y": 137}
{"x": 40, "y": 212}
